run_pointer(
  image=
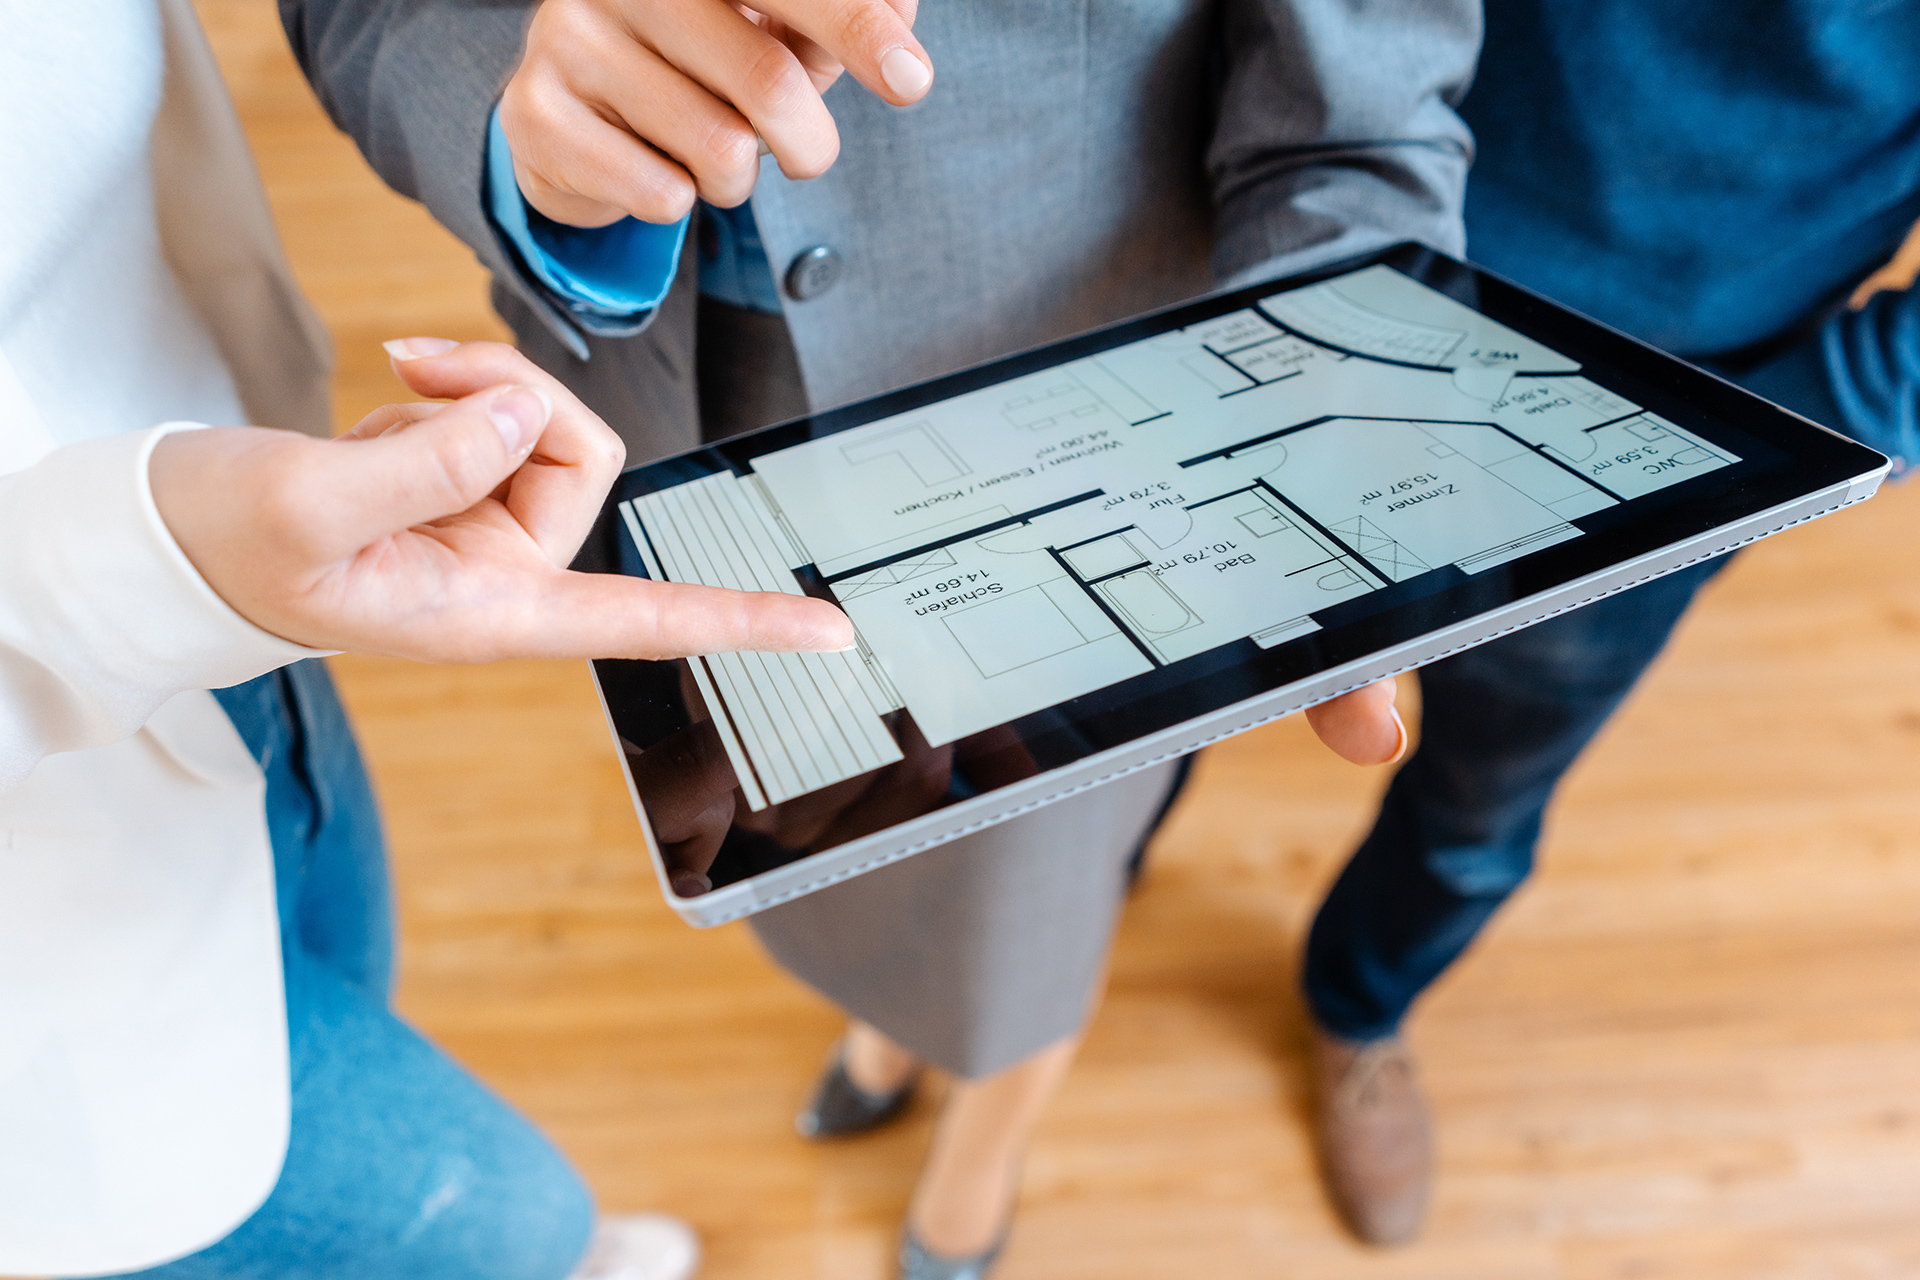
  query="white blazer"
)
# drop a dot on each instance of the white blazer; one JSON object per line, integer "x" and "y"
{"x": 143, "y": 1046}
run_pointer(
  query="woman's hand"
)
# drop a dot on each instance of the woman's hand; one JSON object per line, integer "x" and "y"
{"x": 442, "y": 532}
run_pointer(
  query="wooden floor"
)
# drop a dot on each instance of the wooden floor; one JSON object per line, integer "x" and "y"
{"x": 1690, "y": 1050}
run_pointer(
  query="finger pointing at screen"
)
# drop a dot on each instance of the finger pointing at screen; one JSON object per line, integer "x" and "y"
{"x": 442, "y": 532}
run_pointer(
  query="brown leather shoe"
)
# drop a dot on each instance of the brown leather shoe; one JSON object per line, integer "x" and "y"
{"x": 1375, "y": 1139}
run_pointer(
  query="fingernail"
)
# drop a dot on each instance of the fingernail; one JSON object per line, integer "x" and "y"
{"x": 414, "y": 348}
{"x": 520, "y": 414}
{"x": 1405, "y": 738}
{"x": 905, "y": 74}
{"x": 691, "y": 884}
{"x": 845, "y": 648}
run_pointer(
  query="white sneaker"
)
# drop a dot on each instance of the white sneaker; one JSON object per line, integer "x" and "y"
{"x": 640, "y": 1246}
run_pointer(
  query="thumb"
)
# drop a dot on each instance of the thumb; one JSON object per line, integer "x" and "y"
{"x": 607, "y": 615}
{"x": 438, "y": 466}
{"x": 1362, "y": 726}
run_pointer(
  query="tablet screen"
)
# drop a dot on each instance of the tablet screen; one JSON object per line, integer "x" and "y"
{"x": 1088, "y": 542}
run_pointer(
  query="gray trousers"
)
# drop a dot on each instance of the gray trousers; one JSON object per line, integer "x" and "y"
{"x": 974, "y": 955}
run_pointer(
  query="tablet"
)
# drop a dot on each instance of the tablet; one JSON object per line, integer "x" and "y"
{"x": 1078, "y": 561}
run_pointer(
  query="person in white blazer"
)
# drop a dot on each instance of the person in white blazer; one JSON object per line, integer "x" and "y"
{"x": 199, "y": 1075}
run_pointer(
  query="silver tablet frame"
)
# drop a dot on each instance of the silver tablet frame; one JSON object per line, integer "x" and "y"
{"x": 817, "y": 871}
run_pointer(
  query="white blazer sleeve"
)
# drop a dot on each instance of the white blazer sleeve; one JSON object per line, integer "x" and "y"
{"x": 102, "y": 616}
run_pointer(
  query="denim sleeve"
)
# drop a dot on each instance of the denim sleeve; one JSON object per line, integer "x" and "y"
{"x": 1860, "y": 374}
{"x": 1873, "y": 364}
{"x": 620, "y": 271}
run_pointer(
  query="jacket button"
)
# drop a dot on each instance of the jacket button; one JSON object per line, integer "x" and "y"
{"x": 812, "y": 272}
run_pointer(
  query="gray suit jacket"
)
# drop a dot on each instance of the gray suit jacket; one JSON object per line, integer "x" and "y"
{"x": 1073, "y": 164}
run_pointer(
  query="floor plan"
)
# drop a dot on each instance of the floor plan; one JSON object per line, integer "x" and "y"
{"x": 1020, "y": 545}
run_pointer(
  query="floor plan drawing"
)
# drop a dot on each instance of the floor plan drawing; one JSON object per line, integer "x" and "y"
{"x": 916, "y": 446}
{"x": 1029, "y": 542}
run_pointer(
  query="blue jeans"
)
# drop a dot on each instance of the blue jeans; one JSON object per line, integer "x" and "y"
{"x": 1500, "y": 725}
{"x": 401, "y": 1165}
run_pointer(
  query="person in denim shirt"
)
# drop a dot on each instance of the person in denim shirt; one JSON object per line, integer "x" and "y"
{"x": 1715, "y": 178}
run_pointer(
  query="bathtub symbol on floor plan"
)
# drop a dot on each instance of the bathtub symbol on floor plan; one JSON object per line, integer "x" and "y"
{"x": 1146, "y": 602}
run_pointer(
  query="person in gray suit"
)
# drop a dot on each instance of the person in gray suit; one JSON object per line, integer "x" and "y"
{"x": 1002, "y": 174}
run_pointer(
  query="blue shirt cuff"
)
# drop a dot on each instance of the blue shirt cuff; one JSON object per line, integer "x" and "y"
{"x": 619, "y": 270}
{"x": 1872, "y": 365}
{"x": 1859, "y": 375}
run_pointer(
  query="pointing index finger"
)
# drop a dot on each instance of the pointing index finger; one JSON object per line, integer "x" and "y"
{"x": 593, "y": 615}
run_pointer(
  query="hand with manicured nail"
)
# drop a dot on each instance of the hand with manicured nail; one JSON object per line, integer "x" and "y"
{"x": 442, "y": 532}
{"x": 635, "y": 106}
